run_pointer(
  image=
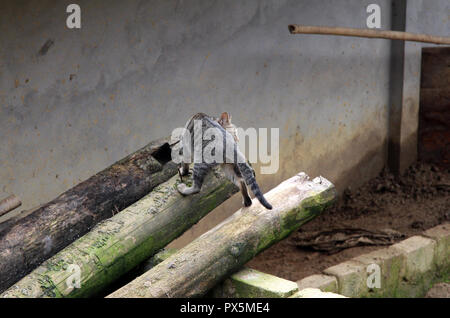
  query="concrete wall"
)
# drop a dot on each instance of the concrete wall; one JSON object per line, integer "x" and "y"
{"x": 138, "y": 69}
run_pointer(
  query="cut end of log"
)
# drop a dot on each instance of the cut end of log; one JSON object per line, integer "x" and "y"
{"x": 163, "y": 154}
{"x": 10, "y": 203}
{"x": 291, "y": 28}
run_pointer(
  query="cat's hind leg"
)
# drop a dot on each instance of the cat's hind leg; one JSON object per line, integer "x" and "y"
{"x": 234, "y": 175}
{"x": 198, "y": 176}
{"x": 247, "y": 201}
{"x": 184, "y": 169}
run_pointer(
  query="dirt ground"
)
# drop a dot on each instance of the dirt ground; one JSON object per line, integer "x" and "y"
{"x": 410, "y": 204}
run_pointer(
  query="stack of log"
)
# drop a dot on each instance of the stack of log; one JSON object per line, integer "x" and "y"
{"x": 218, "y": 253}
{"x": 26, "y": 241}
{"x": 95, "y": 234}
{"x": 119, "y": 244}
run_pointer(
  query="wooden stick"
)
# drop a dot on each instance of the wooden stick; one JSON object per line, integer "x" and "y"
{"x": 215, "y": 255}
{"x": 10, "y": 203}
{"x": 117, "y": 245}
{"x": 368, "y": 33}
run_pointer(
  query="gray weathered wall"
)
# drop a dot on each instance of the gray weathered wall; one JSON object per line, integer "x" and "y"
{"x": 138, "y": 69}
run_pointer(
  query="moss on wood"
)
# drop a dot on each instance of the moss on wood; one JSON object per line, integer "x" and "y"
{"x": 119, "y": 244}
{"x": 25, "y": 242}
{"x": 199, "y": 266}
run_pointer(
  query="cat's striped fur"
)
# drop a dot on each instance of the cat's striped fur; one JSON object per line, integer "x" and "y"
{"x": 235, "y": 166}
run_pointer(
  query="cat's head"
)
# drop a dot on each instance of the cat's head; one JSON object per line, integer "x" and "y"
{"x": 225, "y": 122}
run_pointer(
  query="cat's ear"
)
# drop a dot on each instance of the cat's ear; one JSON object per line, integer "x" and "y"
{"x": 225, "y": 119}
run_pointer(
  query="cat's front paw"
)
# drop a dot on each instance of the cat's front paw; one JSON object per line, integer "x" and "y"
{"x": 181, "y": 188}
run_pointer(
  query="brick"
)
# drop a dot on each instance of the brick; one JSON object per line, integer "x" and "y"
{"x": 418, "y": 253}
{"x": 440, "y": 290}
{"x": 325, "y": 283}
{"x": 351, "y": 277}
{"x": 315, "y": 293}
{"x": 392, "y": 267}
{"x": 441, "y": 234}
{"x": 250, "y": 283}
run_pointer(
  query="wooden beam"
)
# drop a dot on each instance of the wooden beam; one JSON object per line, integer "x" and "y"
{"x": 119, "y": 244}
{"x": 218, "y": 253}
{"x": 368, "y": 33}
{"x": 25, "y": 242}
{"x": 8, "y": 204}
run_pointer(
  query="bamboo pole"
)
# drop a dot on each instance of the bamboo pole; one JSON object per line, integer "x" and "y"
{"x": 215, "y": 255}
{"x": 25, "y": 242}
{"x": 368, "y": 33}
{"x": 119, "y": 244}
{"x": 10, "y": 203}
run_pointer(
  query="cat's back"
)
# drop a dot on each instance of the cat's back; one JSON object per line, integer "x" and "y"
{"x": 199, "y": 116}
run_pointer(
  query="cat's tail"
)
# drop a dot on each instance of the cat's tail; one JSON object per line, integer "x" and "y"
{"x": 249, "y": 177}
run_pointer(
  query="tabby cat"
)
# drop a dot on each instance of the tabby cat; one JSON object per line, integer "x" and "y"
{"x": 233, "y": 163}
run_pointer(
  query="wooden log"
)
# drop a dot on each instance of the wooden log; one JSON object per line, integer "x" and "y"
{"x": 10, "y": 203}
{"x": 368, "y": 33}
{"x": 9, "y": 222}
{"x": 215, "y": 255}
{"x": 119, "y": 244}
{"x": 27, "y": 241}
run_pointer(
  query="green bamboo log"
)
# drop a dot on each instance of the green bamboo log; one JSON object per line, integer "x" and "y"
{"x": 117, "y": 245}
{"x": 215, "y": 255}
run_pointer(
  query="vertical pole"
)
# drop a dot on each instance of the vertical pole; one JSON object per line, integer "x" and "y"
{"x": 398, "y": 23}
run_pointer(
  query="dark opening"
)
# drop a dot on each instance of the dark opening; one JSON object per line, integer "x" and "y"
{"x": 434, "y": 112}
{"x": 291, "y": 28}
{"x": 163, "y": 154}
